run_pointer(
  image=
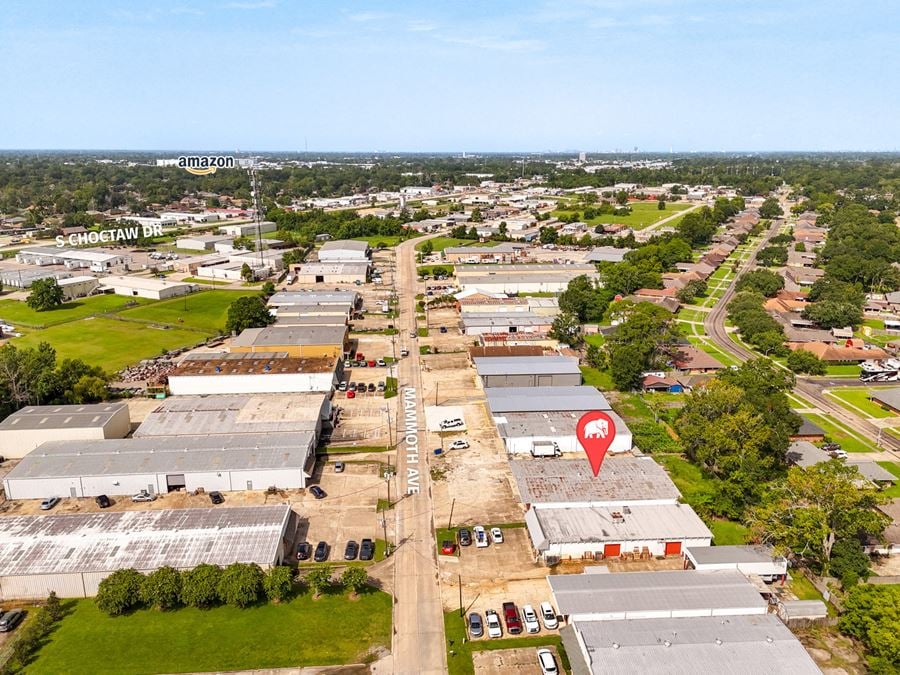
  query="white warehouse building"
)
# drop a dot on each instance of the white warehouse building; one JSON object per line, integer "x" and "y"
{"x": 144, "y": 287}
{"x": 71, "y": 554}
{"x": 162, "y": 464}
{"x": 26, "y": 429}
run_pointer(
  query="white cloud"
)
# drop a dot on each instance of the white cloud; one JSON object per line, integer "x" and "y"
{"x": 495, "y": 43}
{"x": 368, "y": 17}
{"x": 251, "y": 4}
{"x": 421, "y": 26}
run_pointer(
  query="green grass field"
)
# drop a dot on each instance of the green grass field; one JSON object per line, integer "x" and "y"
{"x": 856, "y": 400}
{"x": 643, "y": 214}
{"x": 460, "y": 649}
{"x": 387, "y": 240}
{"x": 597, "y": 378}
{"x": 728, "y": 532}
{"x": 109, "y": 343}
{"x": 205, "y": 311}
{"x": 208, "y": 282}
{"x": 839, "y": 435}
{"x": 18, "y": 313}
{"x": 846, "y": 370}
{"x": 440, "y": 243}
{"x": 329, "y": 631}
{"x": 893, "y": 491}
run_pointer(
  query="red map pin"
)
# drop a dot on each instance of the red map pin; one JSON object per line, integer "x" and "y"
{"x": 595, "y": 431}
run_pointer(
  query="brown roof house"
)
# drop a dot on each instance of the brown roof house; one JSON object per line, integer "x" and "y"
{"x": 693, "y": 361}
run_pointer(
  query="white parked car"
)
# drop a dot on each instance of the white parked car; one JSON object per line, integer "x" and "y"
{"x": 496, "y": 535}
{"x": 548, "y": 616}
{"x": 547, "y": 662}
{"x": 143, "y": 496}
{"x": 494, "y": 629}
{"x": 451, "y": 423}
{"x": 480, "y": 536}
{"x": 529, "y": 618}
{"x": 459, "y": 445}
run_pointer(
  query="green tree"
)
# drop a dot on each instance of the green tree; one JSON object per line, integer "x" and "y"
{"x": 691, "y": 291}
{"x": 241, "y": 584}
{"x": 247, "y": 312}
{"x": 643, "y": 340}
{"x": 772, "y": 256}
{"x": 849, "y": 563}
{"x": 267, "y": 290}
{"x": 764, "y": 282}
{"x": 833, "y": 313}
{"x": 661, "y": 205}
{"x": 89, "y": 389}
{"x": 279, "y": 583}
{"x": 800, "y": 247}
{"x": 548, "y": 235}
{"x": 626, "y": 277}
{"x": 120, "y": 592}
{"x": 585, "y": 299}
{"x": 162, "y": 588}
{"x": 200, "y": 586}
{"x": 802, "y": 361}
{"x": 476, "y": 216}
{"x": 770, "y": 208}
{"x": 53, "y": 607}
{"x": 770, "y": 342}
{"x": 813, "y": 507}
{"x": 45, "y": 294}
{"x": 247, "y": 273}
{"x": 355, "y": 579}
{"x": 319, "y": 580}
{"x": 427, "y": 247}
{"x": 872, "y": 615}
{"x": 567, "y": 329}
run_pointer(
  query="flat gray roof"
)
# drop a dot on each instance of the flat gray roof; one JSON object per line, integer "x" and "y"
{"x": 470, "y": 280}
{"x": 634, "y": 592}
{"x": 519, "y": 268}
{"x": 314, "y": 298}
{"x": 144, "y": 540}
{"x": 540, "y": 399}
{"x": 95, "y": 415}
{"x": 804, "y": 453}
{"x": 165, "y": 454}
{"x": 275, "y": 336}
{"x": 337, "y": 267}
{"x": 345, "y": 245}
{"x": 712, "y": 555}
{"x": 221, "y": 414}
{"x": 889, "y": 397}
{"x": 746, "y": 645}
{"x": 872, "y": 470}
{"x": 600, "y": 524}
{"x": 526, "y": 365}
{"x": 477, "y": 319}
{"x": 621, "y": 478}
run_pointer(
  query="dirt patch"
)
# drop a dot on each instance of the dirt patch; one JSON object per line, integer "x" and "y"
{"x": 509, "y": 661}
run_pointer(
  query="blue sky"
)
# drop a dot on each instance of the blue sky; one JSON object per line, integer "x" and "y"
{"x": 494, "y": 75}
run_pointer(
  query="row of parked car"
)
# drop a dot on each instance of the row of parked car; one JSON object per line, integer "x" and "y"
{"x": 104, "y": 502}
{"x": 529, "y": 620}
{"x": 352, "y": 388}
{"x": 364, "y": 550}
{"x": 481, "y": 537}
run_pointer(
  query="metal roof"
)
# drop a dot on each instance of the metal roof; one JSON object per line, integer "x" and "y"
{"x": 222, "y": 414}
{"x": 166, "y": 454}
{"x": 337, "y": 267}
{"x": 621, "y": 478}
{"x": 872, "y": 470}
{"x": 712, "y": 555}
{"x": 314, "y": 298}
{"x": 522, "y": 268}
{"x": 88, "y": 416}
{"x": 477, "y": 319}
{"x": 888, "y": 397}
{"x": 740, "y": 645}
{"x": 474, "y": 280}
{"x": 345, "y": 245}
{"x": 526, "y": 365}
{"x": 686, "y": 590}
{"x": 601, "y": 524}
{"x": 144, "y": 540}
{"x": 804, "y": 453}
{"x": 539, "y": 399}
{"x": 276, "y": 336}
{"x": 251, "y": 363}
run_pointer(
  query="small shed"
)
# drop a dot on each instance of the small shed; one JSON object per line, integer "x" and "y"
{"x": 802, "y": 612}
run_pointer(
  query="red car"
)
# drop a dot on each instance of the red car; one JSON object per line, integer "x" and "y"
{"x": 372, "y": 363}
{"x": 448, "y": 548}
{"x": 511, "y": 616}
{"x": 351, "y": 393}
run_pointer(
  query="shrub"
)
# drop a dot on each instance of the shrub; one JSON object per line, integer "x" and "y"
{"x": 278, "y": 583}
{"x": 162, "y": 588}
{"x": 355, "y": 579}
{"x": 200, "y": 586}
{"x": 120, "y": 592}
{"x": 241, "y": 584}
{"x": 319, "y": 579}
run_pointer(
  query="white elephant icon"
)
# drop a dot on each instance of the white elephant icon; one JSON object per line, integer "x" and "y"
{"x": 596, "y": 429}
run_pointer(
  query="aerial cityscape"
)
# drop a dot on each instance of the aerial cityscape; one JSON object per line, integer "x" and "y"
{"x": 459, "y": 339}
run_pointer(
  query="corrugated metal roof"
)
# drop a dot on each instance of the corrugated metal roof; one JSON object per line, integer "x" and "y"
{"x": 745, "y": 645}
{"x": 279, "y": 336}
{"x": 314, "y": 298}
{"x": 527, "y": 365}
{"x": 62, "y": 416}
{"x": 686, "y": 590}
{"x": 539, "y": 399}
{"x": 711, "y": 555}
{"x": 144, "y": 540}
{"x": 165, "y": 454}
{"x": 345, "y": 245}
{"x": 571, "y": 480}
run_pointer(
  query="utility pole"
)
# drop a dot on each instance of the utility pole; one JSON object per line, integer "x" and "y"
{"x": 436, "y": 385}
{"x": 459, "y": 583}
{"x": 450, "y": 519}
{"x": 387, "y": 544}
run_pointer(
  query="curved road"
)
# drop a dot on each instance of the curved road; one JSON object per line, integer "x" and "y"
{"x": 809, "y": 388}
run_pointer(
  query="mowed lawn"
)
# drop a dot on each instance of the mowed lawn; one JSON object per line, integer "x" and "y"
{"x": 643, "y": 214}
{"x": 205, "y": 311}
{"x": 18, "y": 313}
{"x": 440, "y": 243}
{"x": 329, "y": 631}
{"x": 109, "y": 343}
{"x": 857, "y": 400}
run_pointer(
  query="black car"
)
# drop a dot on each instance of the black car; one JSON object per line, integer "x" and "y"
{"x": 366, "y": 549}
{"x": 465, "y": 537}
{"x": 371, "y": 387}
{"x": 103, "y": 501}
{"x": 351, "y": 550}
{"x": 304, "y": 550}
{"x": 321, "y": 553}
{"x": 216, "y": 497}
{"x": 443, "y": 329}
{"x": 361, "y": 387}
{"x": 317, "y": 492}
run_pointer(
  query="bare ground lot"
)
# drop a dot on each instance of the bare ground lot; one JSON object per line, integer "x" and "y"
{"x": 509, "y": 661}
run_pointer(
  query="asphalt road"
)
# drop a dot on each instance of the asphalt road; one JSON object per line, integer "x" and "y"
{"x": 418, "y": 644}
{"x": 810, "y": 388}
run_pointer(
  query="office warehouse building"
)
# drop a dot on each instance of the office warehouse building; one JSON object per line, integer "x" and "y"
{"x": 161, "y": 464}
{"x": 71, "y": 554}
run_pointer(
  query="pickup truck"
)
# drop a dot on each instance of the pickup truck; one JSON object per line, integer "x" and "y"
{"x": 511, "y": 616}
